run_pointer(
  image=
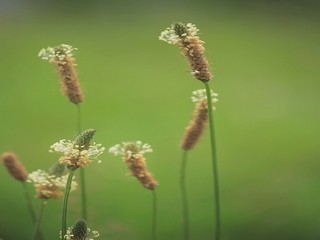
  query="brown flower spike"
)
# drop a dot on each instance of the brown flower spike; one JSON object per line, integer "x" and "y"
{"x": 199, "y": 122}
{"x": 185, "y": 36}
{"x": 132, "y": 153}
{"x": 14, "y": 166}
{"x": 62, "y": 57}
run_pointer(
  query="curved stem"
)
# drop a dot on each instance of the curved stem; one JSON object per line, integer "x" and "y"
{"x": 65, "y": 204}
{"x": 82, "y": 174}
{"x": 154, "y": 215}
{"x": 214, "y": 162}
{"x": 36, "y": 232}
{"x": 184, "y": 196}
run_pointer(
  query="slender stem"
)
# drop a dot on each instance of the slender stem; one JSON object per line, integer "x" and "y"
{"x": 184, "y": 196}
{"x": 36, "y": 233}
{"x": 83, "y": 194}
{"x": 79, "y": 119}
{"x": 30, "y": 207}
{"x": 214, "y": 162}
{"x": 82, "y": 174}
{"x": 65, "y": 203}
{"x": 154, "y": 215}
{"x": 29, "y": 203}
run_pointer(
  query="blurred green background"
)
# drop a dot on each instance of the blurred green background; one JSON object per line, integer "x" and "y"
{"x": 265, "y": 58}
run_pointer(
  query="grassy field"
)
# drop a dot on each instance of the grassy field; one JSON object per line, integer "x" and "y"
{"x": 266, "y": 65}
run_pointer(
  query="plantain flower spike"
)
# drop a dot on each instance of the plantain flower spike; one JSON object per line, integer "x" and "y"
{"x": 132, "y": 154}
{"x": 80, "y": 231}
{"x": 186, "y": 37}
{"x": 80, "y": 152}
{"x": 62, "y": 57}
{"x": 49, "y": 186}
{"x": 200, "y": 118}
{"x": 14, "y": 166}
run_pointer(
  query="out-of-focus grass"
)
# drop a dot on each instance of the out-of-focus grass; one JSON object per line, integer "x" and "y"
{"x": 266, "y": 66}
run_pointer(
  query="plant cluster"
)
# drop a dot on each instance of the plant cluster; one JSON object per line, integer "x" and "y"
{"x": 77, "y": 154}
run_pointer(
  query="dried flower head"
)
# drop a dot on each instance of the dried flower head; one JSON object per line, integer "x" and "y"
{"x": 132, "y": 154}
{"x": 186, "y": 37}
{"x": 62, "y": 57}
{"x": 80, "y": 231}
{"x": 80, "y": 152}
{"x": 49, "y": 186}
{"x": 14, "y": 166}
{"x": 200, "y": 118}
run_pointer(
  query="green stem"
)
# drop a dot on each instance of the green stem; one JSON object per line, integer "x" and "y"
{"x": 83, "y": 194}
{"x": 82, "y": 175}
{"x": 30, "y": 207}
{"x": 65, "y": 203}
{"x": 36, "y": 232}
{"x": 29, "y": 203}
{"x": 214, "y": 162}
{"x": 184, "y": 196}
{"x": 154, "y": 215}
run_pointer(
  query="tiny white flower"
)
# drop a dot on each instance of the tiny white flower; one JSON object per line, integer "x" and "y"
{"x": 48, "y": 186}
{"x": 130, "y": 148}
{"x": 169, "y": 36}
{"x": 60, "y": 52}
{"x": 192, "y": 29}
{"x": 72, "y": 155}
{"x": 200, "y": 95}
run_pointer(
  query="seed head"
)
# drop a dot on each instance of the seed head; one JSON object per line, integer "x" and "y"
{"x": 49, "y": 186}
{"x": 14, "y": 166}
{"x": 186, "y": 37}
{"x": 132, "y": 154}
{"x": 80, "y": 231}
{"x": 62, "y": 57}
{"x": 200, "y": 118}
{"x": 80, "y": 152}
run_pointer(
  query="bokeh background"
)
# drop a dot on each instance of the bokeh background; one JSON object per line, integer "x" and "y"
{"x": 265, "y": 58}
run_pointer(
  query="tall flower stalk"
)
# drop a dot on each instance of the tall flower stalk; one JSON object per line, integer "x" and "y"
{"x": 62, "y": 57}
{"x": 186, "y": 37}
{"x": 48, "y": 185}
{"x": 18, "y": 172}
{"x": 191, "y": 136}
{"x": 133, "y": 155}
{"x": 76, "y": 154}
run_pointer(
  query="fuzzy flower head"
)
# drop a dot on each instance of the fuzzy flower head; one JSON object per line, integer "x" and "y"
{"x": 200, "y": 95}
{"x": 58, "y": 53}
{"x": 14, "y": 166}
{"x": 80, "y": 152}
{"x": 62, "y": 57}
{"x": 186, "y": 37}
{"x": 132, "y": 154}
{"x": 130, "y": 149}
{"x": 177, "y": 32}
{"x": 49, "y": 186}
{"x": 80, "y": 231}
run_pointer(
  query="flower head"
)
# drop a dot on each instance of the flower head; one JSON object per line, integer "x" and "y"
{"x": 177, "y": 32}
{"x": 130, "y": 149}
{"x": 198, "y": 124}
{"x": 132, "y": 154}
{"x": 49, "y": 186}
{"x": 80, "y": 231}
{"x": 62, "y": 57}
{"x": 186, "y": 37}
{"x": 80, "y": 152}
{"x": 57, "y": 53}
{"x": 14, "y": 166}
